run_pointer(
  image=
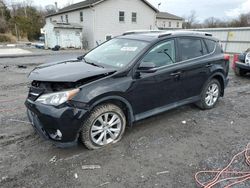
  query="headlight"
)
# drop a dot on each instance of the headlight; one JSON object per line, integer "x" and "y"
{"x": 58, "y": 98}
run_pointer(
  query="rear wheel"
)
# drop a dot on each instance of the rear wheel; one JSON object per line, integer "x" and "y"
{"x": 239, "y": 72}
{"x": 210, "y": 95}
{"x": 105, "y": 126}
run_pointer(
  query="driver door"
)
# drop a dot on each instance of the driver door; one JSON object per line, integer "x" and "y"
{"x": 155, "y": 90}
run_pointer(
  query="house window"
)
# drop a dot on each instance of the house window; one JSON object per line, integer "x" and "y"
{"x": 178, "y": 24}
{"x": 169, "y": 24}
{"x": 61, "y": 18}
{"x": 122, "y": 16}
{"x": 164, "y": 24}
{"x": 108, "y": 37}
{"x": 134, "y": 17}
{"x": 81, "y": 16}
{"x": 67, "y": 18}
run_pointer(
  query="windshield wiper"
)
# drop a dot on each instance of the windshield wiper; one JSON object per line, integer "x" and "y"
{"x": 90, "y": 63}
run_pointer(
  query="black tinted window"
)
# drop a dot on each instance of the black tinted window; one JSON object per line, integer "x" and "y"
{"x": 161, "y": 55}
{"x": 210, "y": 45}
{"x": 190, "y": 48}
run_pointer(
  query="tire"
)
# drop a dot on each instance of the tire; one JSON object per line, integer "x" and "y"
{"x": 98, "y": 126}
{"x": 239, "y": 72}
{"x": 208, "y": 95}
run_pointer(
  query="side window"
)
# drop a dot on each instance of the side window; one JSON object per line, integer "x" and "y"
{"x": 190, "y": 48}
{"x": 210, "y": 45}
{"x": 162, "y": 54}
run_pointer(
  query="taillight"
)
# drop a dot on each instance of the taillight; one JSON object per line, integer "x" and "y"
{"x": 226, "y": 57}
{"x": 236, "y": 58}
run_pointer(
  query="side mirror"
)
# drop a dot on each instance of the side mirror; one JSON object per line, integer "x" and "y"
{"x": 147, "y": 67}
{"x": 80, "y": 57}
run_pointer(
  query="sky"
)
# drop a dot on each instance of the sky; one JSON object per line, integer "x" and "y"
{"x": 223, "y": 9}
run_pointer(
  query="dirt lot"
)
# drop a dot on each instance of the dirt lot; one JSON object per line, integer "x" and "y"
{"x": 161, "y": 151}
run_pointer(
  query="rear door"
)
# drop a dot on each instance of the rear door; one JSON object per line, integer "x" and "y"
{"x": 194, "y": 65}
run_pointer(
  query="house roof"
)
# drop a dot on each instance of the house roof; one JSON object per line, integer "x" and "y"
{"x": 166, "y": 15}
{"x": 63, "y": 25}
{"x": 88, "y": 4}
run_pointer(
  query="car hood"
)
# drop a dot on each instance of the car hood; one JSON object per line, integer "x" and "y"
{"x": 67, "y": 71}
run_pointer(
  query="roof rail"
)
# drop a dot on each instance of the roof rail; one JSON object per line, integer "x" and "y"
{"x": 141, "y": 32}
{"x": 164, "y": 35}
{"x": 208, "y": 34}
{"x": 184, "y": 32}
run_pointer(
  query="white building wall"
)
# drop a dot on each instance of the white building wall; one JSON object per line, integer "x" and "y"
{"x": 50, "y": 38}
{"x": 107, "y": 18}
{"x": 103, "y": 19}
{"x": 87, "y": 24}
{"x": 164, "y": 23}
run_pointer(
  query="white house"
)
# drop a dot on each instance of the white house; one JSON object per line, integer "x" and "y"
{"x": 100, "y": 20}
{"x": 65, "y": 35}
{"x": 166, "y": 21}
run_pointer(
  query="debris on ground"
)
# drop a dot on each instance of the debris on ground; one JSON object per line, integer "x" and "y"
{"x": 3, "y": 178}
{"x": 90, "y": 167}
{"x": 228, "y": 174}
{"x": 106, "y": 183}
{"x": 21, "y": 66}
{"x": 76, "y": 175}
{"x": 184, "y": 122}
{"x": 163, "y": 172}
{"x": 53, "y": 159}
{"x": 56, "y": 48}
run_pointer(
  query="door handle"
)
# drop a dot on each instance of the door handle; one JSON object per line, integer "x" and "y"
{"x": 175, "y": 74}
{"x": 209, "y": 65}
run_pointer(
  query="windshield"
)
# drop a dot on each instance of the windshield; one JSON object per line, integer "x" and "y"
{"x": 116, "y": 52}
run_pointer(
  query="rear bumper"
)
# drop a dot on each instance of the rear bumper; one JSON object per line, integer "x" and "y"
{"x": 242, "y": 66}
{"x": 58, "y": 124}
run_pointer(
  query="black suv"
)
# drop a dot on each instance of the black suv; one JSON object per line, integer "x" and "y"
{"x": 129, "y": 78}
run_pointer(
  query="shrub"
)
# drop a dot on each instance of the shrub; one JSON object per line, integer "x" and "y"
{"x": 4, "y": 38}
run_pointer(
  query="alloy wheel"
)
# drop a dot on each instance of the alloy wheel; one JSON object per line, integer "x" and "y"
{"x": 106, "y": 128}
{"x": 212, "y": 94}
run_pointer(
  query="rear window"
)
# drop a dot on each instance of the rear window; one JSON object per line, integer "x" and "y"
{"x": 210, "y": 45}
{"x": 190, "y": 48}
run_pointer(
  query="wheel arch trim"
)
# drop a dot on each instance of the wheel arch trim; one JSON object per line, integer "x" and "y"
{"x": 222, "y": 76}
{"x": 131, "y": 117}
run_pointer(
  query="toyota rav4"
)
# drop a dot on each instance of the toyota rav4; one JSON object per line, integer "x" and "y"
{"x": 124, "y": 80}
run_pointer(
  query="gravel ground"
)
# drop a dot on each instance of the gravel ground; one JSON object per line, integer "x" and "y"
{"x": 162, "y": 151}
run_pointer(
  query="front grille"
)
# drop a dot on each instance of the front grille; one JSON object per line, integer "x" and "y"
{"x": 34, "y": 93}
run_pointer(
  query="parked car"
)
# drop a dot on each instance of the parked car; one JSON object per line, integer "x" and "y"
{"x": 126, "y": 79}
{"x": 241, "y": 63}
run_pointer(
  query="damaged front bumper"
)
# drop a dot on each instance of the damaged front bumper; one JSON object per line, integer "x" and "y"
{"x": 61, "y": 124}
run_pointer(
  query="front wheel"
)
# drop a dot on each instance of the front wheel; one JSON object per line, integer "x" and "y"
{"x": 210, "y": 95}
{"x": 104, "y": 126}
